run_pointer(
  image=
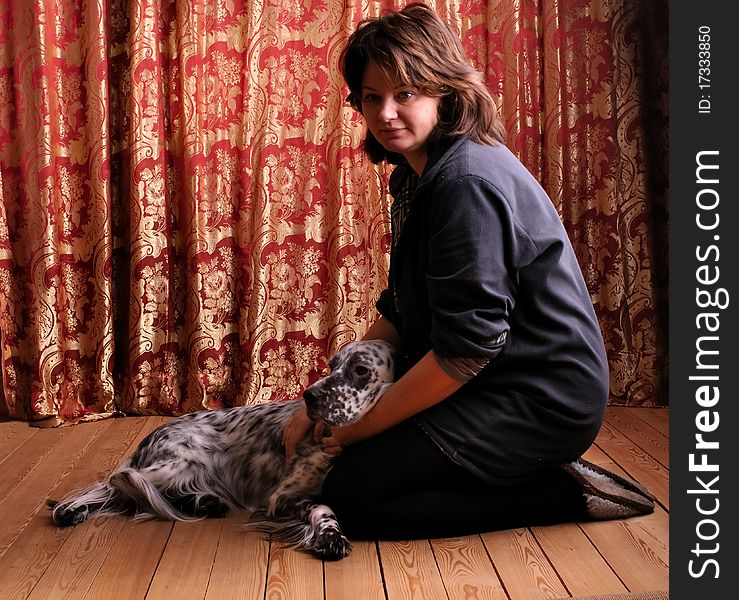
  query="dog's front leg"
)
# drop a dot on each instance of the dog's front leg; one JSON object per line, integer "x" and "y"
{"x": 308, "y": 525}
{"x": 329, "y": 542}
{"x": 304, "y": 480}
{"x": 294, "y": 502}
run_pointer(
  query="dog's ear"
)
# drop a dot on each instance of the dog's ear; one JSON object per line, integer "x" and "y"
{"x": 331, "y": 365}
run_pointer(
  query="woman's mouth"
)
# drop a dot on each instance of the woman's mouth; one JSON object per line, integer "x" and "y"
{"x": 392, "y": 133}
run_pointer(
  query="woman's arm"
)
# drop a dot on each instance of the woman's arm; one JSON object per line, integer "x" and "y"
{"x": 382, "y": 329}
{"x": 423, "y": 386}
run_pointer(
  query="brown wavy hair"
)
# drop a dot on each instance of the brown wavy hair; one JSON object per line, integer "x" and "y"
{"x": 416, "y": 47}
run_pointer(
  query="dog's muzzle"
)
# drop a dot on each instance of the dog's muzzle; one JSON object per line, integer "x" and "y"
{"x": 310, "y": 397}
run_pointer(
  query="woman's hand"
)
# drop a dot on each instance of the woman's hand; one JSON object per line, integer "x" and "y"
{"x": 339, "y": 438}
{"x": 333, "y": 439}
{"x": 297, "y": 428}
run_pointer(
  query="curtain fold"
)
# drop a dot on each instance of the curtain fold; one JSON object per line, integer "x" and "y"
{"x": 187, "y": 219}
{"x": 55, "y": 232}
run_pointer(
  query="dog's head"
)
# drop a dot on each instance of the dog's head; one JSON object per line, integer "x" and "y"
{"x": 360, "y": 374}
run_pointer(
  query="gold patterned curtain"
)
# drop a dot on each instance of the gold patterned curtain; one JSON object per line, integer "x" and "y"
{"x": 187, "y": 219}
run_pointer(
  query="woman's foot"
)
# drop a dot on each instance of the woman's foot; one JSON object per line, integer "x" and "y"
{"x": 609, "y": 496}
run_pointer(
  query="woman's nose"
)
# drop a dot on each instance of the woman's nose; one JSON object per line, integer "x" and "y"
{"x": 388, "y": 111}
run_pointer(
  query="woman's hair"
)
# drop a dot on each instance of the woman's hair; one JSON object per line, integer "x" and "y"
{"x": 419, "y": 49}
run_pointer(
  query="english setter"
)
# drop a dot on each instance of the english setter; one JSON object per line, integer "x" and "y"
{"x": 204, "y": 463}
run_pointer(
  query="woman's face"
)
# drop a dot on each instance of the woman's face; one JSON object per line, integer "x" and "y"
{"x": 400, "y": 117}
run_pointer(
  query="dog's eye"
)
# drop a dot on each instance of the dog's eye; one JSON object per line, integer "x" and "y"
{"x": 361, "y": 370}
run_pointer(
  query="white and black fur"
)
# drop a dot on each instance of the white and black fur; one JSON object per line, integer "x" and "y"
{"x": 203, "y": 464}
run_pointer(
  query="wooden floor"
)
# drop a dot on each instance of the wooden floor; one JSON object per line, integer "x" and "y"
{"x": 117, "y": 559}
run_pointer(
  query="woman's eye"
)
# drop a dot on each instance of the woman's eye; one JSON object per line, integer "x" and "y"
{"x": 369, "y": 98}
{"x": 405, "y": 95}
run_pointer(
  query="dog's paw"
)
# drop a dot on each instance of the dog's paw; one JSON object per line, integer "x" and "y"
{"x": 69, "y": 516}
{"x": 331, "y": 544}
{"x": 211, "y": 507}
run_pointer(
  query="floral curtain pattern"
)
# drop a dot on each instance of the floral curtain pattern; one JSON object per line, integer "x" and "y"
{"x": 187, "y": 219}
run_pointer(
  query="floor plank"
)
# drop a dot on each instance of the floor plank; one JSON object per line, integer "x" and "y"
{"x": 293, "y": 575}
{"x": 184, "y": 569}
{"x": 634, "y": 549}
{"x": 466, "y": 569}
{"x": 659, "y": 418}
{"x": 76, "y": 564}
{"x": 648, "y": 439}
{"x": 30, "y": 454}
{"x": 13, "y": 434}
{"x": 29, "y": 556}
{"x": 524, "y": 569}
{"x": 241, "y": 562}
{"x": 356, "y": 576}
{"x": 577, "y": 561}
{"x": 132, "y": 561}
{"x": 30, "y": 495}
{"x": 410, "y": 570}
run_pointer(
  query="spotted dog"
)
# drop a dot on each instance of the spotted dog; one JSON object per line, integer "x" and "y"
{"x": 203, "y": 464}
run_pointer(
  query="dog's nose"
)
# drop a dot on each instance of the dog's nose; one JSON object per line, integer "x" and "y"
{"x": 309, "y": 397}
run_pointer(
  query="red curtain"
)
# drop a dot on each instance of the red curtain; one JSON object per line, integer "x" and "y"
{"x": 187, "y": 219}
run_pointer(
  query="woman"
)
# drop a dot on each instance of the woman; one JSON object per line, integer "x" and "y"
{"x": 503, "y": 374}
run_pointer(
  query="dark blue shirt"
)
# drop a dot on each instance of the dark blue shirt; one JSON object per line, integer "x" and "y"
{"x": 483, "y": 268}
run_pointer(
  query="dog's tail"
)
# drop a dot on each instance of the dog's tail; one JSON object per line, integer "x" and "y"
{"x": 148, "y": 500}
{"x": 126, "y": 492}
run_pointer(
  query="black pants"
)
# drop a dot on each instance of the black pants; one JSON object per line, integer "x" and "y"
{"x": 400, "y": 485}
